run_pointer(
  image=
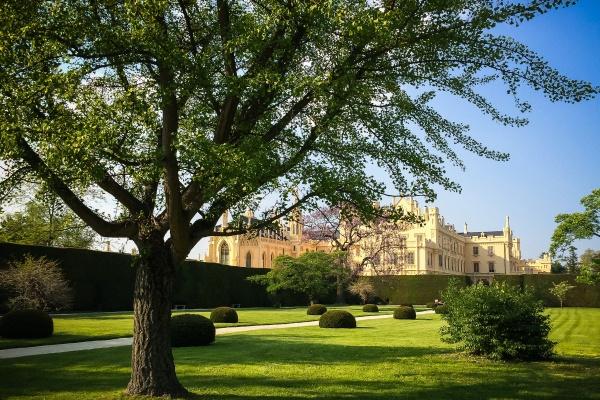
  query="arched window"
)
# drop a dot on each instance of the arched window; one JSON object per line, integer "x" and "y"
{"x": 264, "y": 260}
{"x": 248, "y": 260}
{"x": 224, "y": 253}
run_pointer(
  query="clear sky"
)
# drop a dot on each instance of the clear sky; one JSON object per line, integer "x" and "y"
{"x": 555, "y": 160}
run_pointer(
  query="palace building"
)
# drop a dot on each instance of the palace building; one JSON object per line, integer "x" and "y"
{"x": 431, "y": 247}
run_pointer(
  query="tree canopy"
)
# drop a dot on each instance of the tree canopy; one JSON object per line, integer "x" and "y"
{"x": 46, "y": 221}
{"x": 577, "y": 225}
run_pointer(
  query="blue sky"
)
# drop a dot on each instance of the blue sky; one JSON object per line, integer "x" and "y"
{"x": 554, "y": 160}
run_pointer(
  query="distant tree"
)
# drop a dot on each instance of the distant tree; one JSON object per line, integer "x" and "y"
{"x": 362, "y": 288}
{"x": 557, "y": 268}
{"x": 36, "y": 283}
{"x": 560, "y": 290}
{"x": 578, "y": 225}
{"x": 571, "y": 261}
{"x": 46, "y": 221}
{"x": 589, "y": 271}
{"x": 311, "y": 274}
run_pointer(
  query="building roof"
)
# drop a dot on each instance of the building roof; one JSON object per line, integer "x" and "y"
{"x": 478, "y": 233}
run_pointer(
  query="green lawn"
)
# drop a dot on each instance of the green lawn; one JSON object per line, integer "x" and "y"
{"x": 380, "y": 360}
{"x": 82, "y": 327}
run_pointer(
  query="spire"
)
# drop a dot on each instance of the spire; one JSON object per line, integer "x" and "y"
{"x": 466, "y": 229}
{"x": 507, "y": 222}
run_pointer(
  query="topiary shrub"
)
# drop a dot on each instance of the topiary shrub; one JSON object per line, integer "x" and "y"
{"x": 316, "y": 309}
{"x": 498, "y": 321}
{"x": 26, "y": 324}
{"x": 407, "y": 305}
{"x": 370, "y": 308}
{"x": 431, "y": 304}
{"x": 191, "y": 330}
{"x": 405, "y": 312}
{"x": 337, "y": 319}
{"x": 441, "y": 309}
{"x": 224, "y": 314}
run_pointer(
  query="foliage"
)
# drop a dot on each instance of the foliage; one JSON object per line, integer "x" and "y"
{"x": 362, "y": 288}
{"x": 46, "y": 221}
{"x": 405, "y": 312}
{"x": 191, "y": 330}
{"x": 316, "y": 309}
{"x": 560, "y": 290}
{"x": 589, "y": 272}
{"x": 441, "y": 309}
{"x": 577, "y": 225}
{"x": 224, "y": 314}
{"x": 26, "y": 324}
{"x": 36, "y": 283}
{"x": 431, "y": 304}
{"x": 498, "y": 321}
{"x": 557, "y": 268}
{"x": 370, "y": 308}
{"x": 310, "y": 273}
{"x": 337, "y": 319}
{"x": 571, "y": 261}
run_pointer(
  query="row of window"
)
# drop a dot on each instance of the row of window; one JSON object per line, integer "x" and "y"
{"x": 490, "y": 250}
{"x": 491, "y": 266}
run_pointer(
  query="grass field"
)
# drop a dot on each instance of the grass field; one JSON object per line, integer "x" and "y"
{"x": 98, "y": 326}
{"x": 381, "y": 359}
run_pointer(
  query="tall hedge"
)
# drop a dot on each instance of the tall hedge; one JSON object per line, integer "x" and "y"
{"x": 581, "y": 295}
{"x": 103, "y": 281}
{"x": 412, "y": 289}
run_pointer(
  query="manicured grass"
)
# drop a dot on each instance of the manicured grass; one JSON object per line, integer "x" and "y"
{"x": 381, "y": 359}
{"x": 83, "y": 327}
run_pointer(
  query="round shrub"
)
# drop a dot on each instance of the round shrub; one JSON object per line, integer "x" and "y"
{"x": 442, "y": 309}
{"x": 498, "y": 321}
{"x": 405, "y": 312}
{"x": 26, "y": 324}
{"x": 337, "y": 319}
{"x": 370, "y": 308}
{"x": 224, "y": 314}
{"x": 191, "y": 330}
{"x": 407, "y": 305}
{"x": 316, "y": 309}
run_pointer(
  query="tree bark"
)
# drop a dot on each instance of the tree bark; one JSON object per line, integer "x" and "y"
{"x": 340, "y": 297}
{"x": 152, "y": 365}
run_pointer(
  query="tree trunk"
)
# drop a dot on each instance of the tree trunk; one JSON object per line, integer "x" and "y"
{"x": 340, "y": 297}
{"x": 152, "y": 365}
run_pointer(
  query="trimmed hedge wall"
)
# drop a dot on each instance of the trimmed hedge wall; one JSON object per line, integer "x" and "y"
{"x": 580, "y": 296}
{"x": 103, "y": 281}
{"x": 413, "y": 289}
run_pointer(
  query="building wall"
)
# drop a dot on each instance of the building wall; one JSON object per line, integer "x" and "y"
{"x": 432, "y": 247}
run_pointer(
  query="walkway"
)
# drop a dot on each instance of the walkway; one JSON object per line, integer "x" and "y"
{"x": 102, "y": 344}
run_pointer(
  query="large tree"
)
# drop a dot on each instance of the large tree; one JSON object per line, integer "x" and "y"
{"x": 181, "y": 109}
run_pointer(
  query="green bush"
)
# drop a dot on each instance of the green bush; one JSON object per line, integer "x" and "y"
{"x": 441, "y": 309}
{"x": 370, "y": 308}
{"x": 405, "y": 312}
{"x": 337, "y": 319}
{"x": 191, "y": 330}
{"x": 406, "y": 305}
{"x": 26, "y": 324}
{"x": 224, "y": 314}
{"x": 316, "y": 309}
{"x": 498, "y": 321}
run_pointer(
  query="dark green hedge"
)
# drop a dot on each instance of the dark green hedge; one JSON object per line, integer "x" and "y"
{"x": 580, "y": 296}
{"x": 415, "y": 289}
{"x": 103, "y": 281}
